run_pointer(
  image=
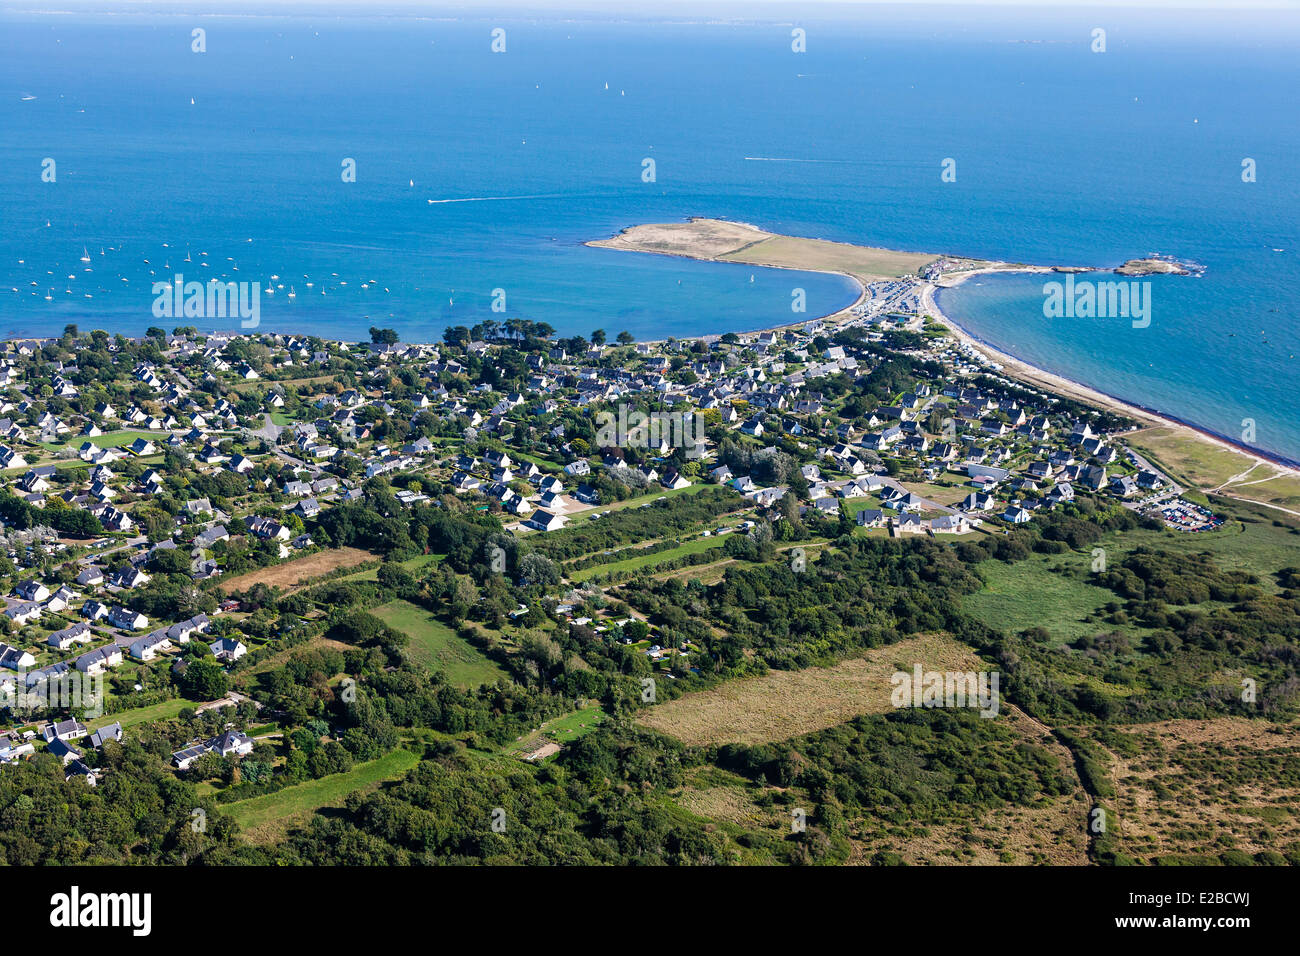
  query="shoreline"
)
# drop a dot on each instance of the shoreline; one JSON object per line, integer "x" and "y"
{"x": 1017, "y": 368}
{"x": 1012, "y": 366}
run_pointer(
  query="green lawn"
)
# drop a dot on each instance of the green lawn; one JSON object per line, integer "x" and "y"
{"x": 110, "y": 439}
{"x": 694, "y": 546}
{"x": 1026, "y": 594}
{"x": 437, "y": 646}
{"x": 570, "y": 727}
{"x": 866, "y": 502}
{"x": 141, "y": 715}
{"x": 944, "y": 494}
{"x": 649, "y": 497}
{"x": 545, "y": 464}
{"x": 267, "y": 816}
{"x": 411, "y": 564}
{"x": 560, "y": 730}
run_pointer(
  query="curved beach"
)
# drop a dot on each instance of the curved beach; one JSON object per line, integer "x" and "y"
{"x": 715, "y": 240}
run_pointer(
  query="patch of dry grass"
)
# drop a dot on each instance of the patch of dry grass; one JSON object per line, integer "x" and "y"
{"x": 720, "y": 241}
{"x": 291, "y": 574}
{"x": 1203, "y": 786}
{"x": 784, "y": 704}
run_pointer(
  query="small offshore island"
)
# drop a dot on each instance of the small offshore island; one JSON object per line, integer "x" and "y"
{"x": 900, "y": 287}
{"x": 767, "y": 527}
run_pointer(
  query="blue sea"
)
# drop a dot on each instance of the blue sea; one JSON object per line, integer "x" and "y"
{"x": 1063, "y": 156}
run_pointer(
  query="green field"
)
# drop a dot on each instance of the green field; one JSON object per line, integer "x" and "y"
{"x": 1026, "y": 594}
{"x": 110, "y": 439}
{"x": 141, "y": 715}
{"x": 570, "y": 727}
{"x": 1188, "y": 457}
{"x": 649, "y": 497}
{"x": 411, "y": 564}
{"x": 694, "y": 546}
{"x": 437, "y": 646}
{"x": 561, "y": 730}
{"x": 267, "y": 817}
{"x": 1252, "y": 546}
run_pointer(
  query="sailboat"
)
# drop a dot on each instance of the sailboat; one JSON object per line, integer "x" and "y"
{"x": 187, "y": 255}
{"x": 49, "y": 295}
{"x": 292, "y": 294}
{"x": 85, "y": 254}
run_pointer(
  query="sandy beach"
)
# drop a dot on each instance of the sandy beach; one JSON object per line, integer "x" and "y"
{"x": 716, "y": 240}
{"x": 1018, "y": 369}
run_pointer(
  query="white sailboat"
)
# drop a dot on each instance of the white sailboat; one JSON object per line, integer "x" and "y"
{"x": 85, "y": 254}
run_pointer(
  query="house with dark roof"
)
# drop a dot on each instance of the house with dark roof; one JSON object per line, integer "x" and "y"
{"x": 100, "y": 737}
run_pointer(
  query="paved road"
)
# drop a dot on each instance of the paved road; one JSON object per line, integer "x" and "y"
{"x": 1172, "y": 488}
{"x": 269, "y": 431}
{"x": 95, "y": 556}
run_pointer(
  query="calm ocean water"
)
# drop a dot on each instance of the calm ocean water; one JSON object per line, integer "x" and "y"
{"x": 1063, "y": 156}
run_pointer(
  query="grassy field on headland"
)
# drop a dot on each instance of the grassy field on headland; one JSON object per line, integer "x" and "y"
{"x": 719, "y": 241}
